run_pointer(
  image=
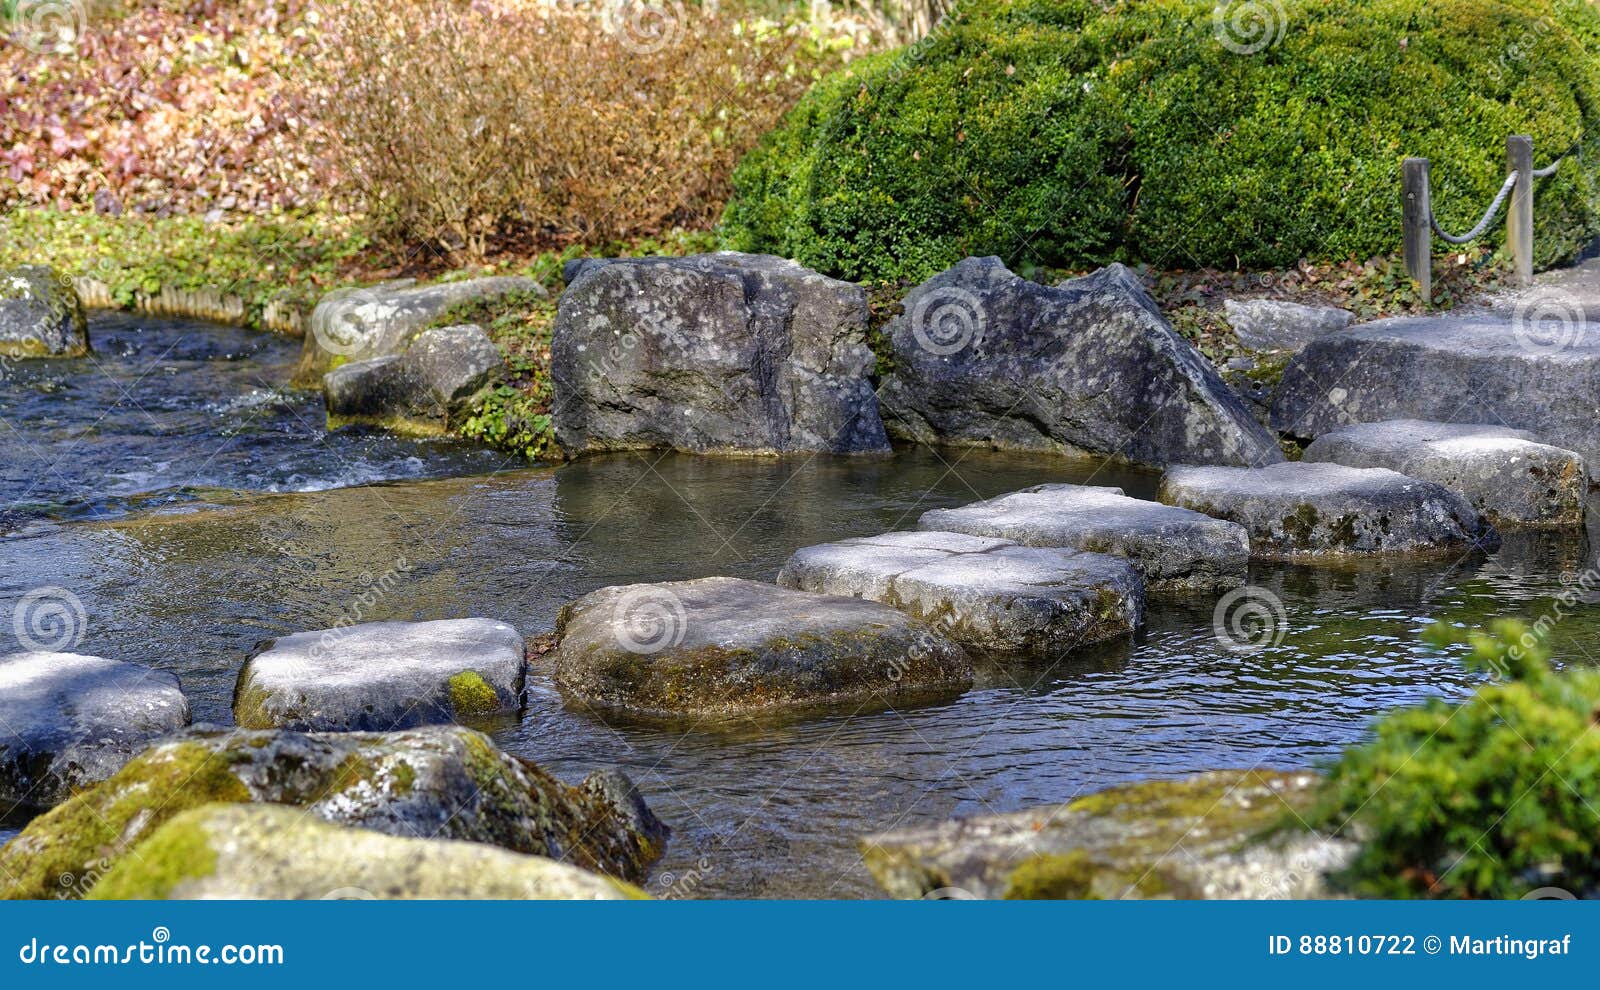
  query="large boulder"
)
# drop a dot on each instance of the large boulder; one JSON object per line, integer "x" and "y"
{"x": 1512, "y": 479}
{"x": 985, "y": 357}
{"x": 1303, "y": 510}
{"x": 68, "y": 721}
{"x": 716, "y": 353}
{"x": 1229, "y": 834}
{"x": 1535, "y": 373}
{"x": 1174, "y": 550}
{"x": 1276, "y": 325}
{"x": 441, "y": 782}
{"x": 267, "y": 852}
{"x": 358, "y": 324}
{"x": 727, "y": 647}
{"x": 992, "y": 596}
{"x": 40, "y": 315}
{"x": 380, "y": 676}
{"x": 421, "y": 392}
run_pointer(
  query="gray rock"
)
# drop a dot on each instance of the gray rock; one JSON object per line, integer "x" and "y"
{"x": 1214, "y": 836}
{"x": 715, "y": 353}
{"x": 422, "y": 391}
{"x": 266, "y": 852}
{"x": 379, "y": 676}
{"x": 986, "y": 358}
{"x": 1275, "y": 325}
{"x": 1509, "y": 477}
{"x": 1540, "y": 375}
{"x": 1172, "y": 549}
{"x": 1301, "y": 510}
{"x": 440, "y": 782}
{"x": 68, "y": 721}
{"x": 357, "y": 324}
{"x": 727, "y": 647}
{"x": 40, "y": 315}
{"x": 989, "y": 595}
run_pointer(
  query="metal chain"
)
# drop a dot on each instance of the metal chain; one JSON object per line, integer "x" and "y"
{"x": 1473, "y": 234}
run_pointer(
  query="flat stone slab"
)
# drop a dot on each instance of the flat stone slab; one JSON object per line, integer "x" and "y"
{"x": 379, "y": 676}
{"x": 68, "y": 721}
{"x": 1208, "y": 836}
{"x": 726, "y": 647}
{"x": 270, "y": 852}
{"x": 1277, "y": 325}
{"x": 1538, "y": 373}
{"x": 1511, "y": 478}
{"x": 989, "y": 595}
{"x": 1299, "y": 511}
{"x": 1172, "y": 549}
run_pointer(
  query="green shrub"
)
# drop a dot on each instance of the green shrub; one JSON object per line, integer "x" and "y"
{"x": 1072, "y": 132}
{"x": 1494, "y": 797}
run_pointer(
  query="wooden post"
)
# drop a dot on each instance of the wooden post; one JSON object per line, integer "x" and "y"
{"x": 1418, "y": 235}
{"x": 1519, "y": 217}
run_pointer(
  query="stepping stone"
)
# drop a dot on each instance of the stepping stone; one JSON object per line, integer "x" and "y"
{"x": 1277, "y": 325}
{"x": 1172, "y": 549}
{"x": 725, "y": 647}
{"x": 1507, "y": 474}
{"x": 68, "y": 721}
{"x": 1298, "y": 510}
{"x": 1538, "y": 372}
{"x": 989, "y": 595}
{"x": 421, "y": 392}
{"x": 379, "y": 676}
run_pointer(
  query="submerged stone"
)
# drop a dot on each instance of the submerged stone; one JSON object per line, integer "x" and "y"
{"x": 379, "y": 676}
{"x": 442, "y": 782}
{"x": 726, "y": 647}
{"x": 1172, "y": 549}
{"x": 985, "y": 357}
{"x": 1304, "y": 510}
{"x": 68, "y": 721}
{"x": 1507, "y": 474}
{"x": 268, "y": 852}
{"x": 714, "y": 353}
{"x": 1229, "y": 834}
{"x": 989, "y": 595}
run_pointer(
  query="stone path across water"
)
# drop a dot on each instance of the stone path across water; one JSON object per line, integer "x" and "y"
{"x": 990, "y": 595}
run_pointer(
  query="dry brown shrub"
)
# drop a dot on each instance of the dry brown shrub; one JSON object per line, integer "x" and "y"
{"x": 471, "y": 125}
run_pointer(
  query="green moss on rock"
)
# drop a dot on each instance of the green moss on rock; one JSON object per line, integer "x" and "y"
{"x": 471, "y": 696}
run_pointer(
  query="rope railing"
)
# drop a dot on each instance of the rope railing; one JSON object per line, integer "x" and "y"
{"x": 1421, "y": 223}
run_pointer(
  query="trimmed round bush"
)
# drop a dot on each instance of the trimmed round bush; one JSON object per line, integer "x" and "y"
{"x": 1178, "y": 133}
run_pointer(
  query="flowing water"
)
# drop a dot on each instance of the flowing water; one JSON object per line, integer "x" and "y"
{"x": 194, "y": 507}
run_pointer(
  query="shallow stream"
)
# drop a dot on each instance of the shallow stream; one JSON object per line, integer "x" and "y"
{"x": 194, "y": 507}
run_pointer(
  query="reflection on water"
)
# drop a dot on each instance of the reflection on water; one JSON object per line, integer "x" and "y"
{"x": 190, "y": 585}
